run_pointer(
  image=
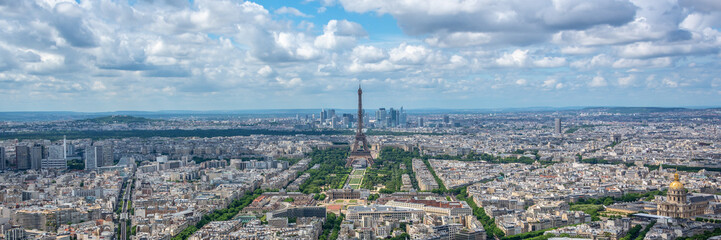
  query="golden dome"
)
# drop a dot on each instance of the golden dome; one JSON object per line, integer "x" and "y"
{"x": 676, "y": 185}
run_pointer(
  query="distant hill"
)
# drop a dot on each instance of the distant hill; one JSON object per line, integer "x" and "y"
{"x": 635, "y": 109}
{"x": 118, "y": 119}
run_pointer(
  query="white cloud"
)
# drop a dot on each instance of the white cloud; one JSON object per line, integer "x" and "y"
{"x": 382, "y": 66}
{"x": 638, "y": 30}
{"x": 649, "y": 49}
{"x": 289, "y": 83}
{"x": 458, "y": 39}
{"x": 598, "y": 81}
{"x": 517, "y": 21}
{"x": 642, "y": 63}
{"x": 549, "y": 62}
{"x": 409, "y": 54}
{"x": 550, "y": 83}
{"x": 98, "y": 86}
{"x": 339, "y": 34}
{"x": 291, "y": 11}
{"x": 92, "y": 50}
{"x": 600, "y": 60}
{"x": 265, "y": 71}
{"x": 670, "y": 83}
{"x": 368, "y": 53}
{"x": 457, "y": 61}
{"x": 515, "y": 59}
{"x": 577, "y": 50}
{"x": 626, "y": 81}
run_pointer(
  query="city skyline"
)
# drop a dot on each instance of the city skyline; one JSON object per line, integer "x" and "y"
{"x": 95, "y": 56}
{"x": 616, "y": 173}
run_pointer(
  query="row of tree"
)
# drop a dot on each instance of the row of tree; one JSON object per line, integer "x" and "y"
{"x": 628, "y": 197}
{"x": 489, "y": 224}
{"x": 220, "y": 214}
{"x": 388, "y": 172}
{"x": 331, "y": 227}
{"x": 331, "y": 172}
{"x": 633, "y": 233}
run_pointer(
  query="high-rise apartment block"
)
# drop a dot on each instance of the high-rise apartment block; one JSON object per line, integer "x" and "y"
{"x": 22, "y": 157}
{"x": 3, "y": 162}
{"x": 93, "y": 156}
{"x": 36, "y": 157}
{"x": 108, "y": 157}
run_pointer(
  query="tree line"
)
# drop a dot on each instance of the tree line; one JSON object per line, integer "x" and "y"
{"x": 220, "y": 214}
{"x": 331, "y": 172}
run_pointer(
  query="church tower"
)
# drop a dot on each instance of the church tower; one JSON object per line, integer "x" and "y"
{"x": 679, "y": 204}
{"x": 676, "y": 191}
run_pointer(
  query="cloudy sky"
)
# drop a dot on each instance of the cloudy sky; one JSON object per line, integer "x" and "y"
{"x": 104, "y": 55}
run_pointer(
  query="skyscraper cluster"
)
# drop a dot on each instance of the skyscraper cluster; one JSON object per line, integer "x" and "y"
{"x": 329, "y": 118}
{"x": 36, "y": 157}
{"x": 391, "y": 117}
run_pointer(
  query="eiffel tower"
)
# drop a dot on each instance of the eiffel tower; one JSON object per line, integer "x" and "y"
{"x": 361, "y": 148}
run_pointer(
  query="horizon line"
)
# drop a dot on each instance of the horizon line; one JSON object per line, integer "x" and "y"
{"x": 412, "y": 109}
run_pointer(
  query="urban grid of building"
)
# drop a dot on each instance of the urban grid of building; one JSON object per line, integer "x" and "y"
{"x": 591, "y": 173}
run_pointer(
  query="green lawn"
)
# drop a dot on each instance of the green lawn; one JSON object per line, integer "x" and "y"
{"x": 590, "y": 209}
{"x": 355, "y": 181}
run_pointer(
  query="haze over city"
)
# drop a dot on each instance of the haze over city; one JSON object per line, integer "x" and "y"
{"x": 232, "y": 55}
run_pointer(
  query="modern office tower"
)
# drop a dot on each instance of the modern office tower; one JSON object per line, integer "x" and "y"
{"x": 22, "y": 157}
{"x": 347, "y": 120}
{"x": 446, "y": 119}
{"x": 420, "y": 122}
{"x": 349, "y": 116}
{"x": 108, "y": 156}
{"x": 3, "y": 163}
{"x": 402, "y": 118}
{"x": 65, "y": 148}
{"x": 56, "y": 158}
{"x": 557, "y": 129}
{"x": 92, "y": 153}
{"x": 36, "y": 157}
{"x": 323, "y": 115}
{"x": 69, "y": 149}
{"x": 393, "y": 117}
{"x": 331, "y": 114}
{"x": 381, "y": 115}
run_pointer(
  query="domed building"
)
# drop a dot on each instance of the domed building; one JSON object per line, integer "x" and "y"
{"x": 679, "y": 205}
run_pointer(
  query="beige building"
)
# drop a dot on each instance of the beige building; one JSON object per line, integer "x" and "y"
{"x": 679, "y": 205}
